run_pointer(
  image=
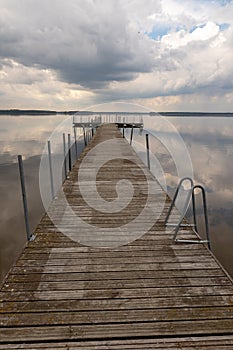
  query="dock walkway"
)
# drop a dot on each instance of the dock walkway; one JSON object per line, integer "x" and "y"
{"x": 149, "y": 293}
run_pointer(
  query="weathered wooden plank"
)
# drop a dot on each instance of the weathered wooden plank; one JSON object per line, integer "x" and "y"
{"x": 114, "y": 260}
{"x": 119, "y": 283}
{"x": 116, "y": 275}
{"x": 116, "y": 316}
{"x": 86, "y": 345}
{"x": 115, "y": 293}
{"x": 42, "y": 256}
{"x": 113, "y": 331}
{"x": 156, "y": 238}
{"x": 114, "y": 304}
{"x": 127, "y": 249}
{"x": 186, "y": 343}
{"x": 74, "y": 252}
{"x": 59, "y": 243}
{"x": 119, "y": 267}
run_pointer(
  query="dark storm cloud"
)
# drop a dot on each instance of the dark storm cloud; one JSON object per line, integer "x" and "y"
{"x": 87, "y": 42}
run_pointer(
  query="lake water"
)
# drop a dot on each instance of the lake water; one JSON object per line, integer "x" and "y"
{"x": 209, "y": 141}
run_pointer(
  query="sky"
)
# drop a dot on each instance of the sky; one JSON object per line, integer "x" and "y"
{"x": 166, "y": 55}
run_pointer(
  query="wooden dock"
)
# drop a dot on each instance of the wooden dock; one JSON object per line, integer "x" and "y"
{"x": 148, "y": 294}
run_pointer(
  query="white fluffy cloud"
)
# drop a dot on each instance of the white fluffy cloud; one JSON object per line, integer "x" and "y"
{"x": 77, "y": 52}
{"x": 183, "y": 38}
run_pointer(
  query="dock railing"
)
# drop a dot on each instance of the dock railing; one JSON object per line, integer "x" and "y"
{"x": 191, "y": 196}
{"x": 93, "y": 120}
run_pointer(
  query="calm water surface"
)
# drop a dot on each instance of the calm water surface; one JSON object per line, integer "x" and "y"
{"x": 210, "y": 144}
{"x": 209, "y": 141}
{"x": 24, "y": 135}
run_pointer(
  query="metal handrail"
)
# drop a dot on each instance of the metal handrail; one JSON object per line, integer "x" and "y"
{"x": 175, "y": 197}
{"x": 194, "y": 225}
{"x": 204, "y": 202}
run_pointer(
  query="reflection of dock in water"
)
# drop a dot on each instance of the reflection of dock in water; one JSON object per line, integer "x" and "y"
{"x": 149, "y": 293}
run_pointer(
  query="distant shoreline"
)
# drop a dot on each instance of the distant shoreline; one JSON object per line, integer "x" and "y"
{"x": 32, "y": 112}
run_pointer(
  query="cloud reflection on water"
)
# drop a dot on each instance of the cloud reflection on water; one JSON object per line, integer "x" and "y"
{"x": 209, "y": 141}
{"x": 12, "y": 232}
{"x": 24, "y": 135}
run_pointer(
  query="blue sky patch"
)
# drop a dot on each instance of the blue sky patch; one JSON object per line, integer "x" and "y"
{"x": 221, "y": 2}
{"x": 224, "y": 26}
{"x": 158, "y": 32}
{"x": 224, "y": 2}
{"x": 196, "y": 27}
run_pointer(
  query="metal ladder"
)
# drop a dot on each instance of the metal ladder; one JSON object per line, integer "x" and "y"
{"x": 191, "y": 195}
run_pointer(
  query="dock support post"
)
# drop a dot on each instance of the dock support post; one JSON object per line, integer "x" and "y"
{"x": 64, "y": 152}
{"x": 84, "y": 136}
{"x": 123, "y": 131}
{"x": 25, "y": 206}
{"x": 92, "y": 132}
{"x": 51, "y": 169}
{"x": 194, "y": 208}
{"x": 148, "y": 150}
{"x": 75, "y": 142}
{"x": 131, "y": 135}
{"x": 69, "y": 152}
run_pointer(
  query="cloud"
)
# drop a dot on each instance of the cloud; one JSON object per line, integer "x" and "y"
{"x": 87, "y": 43}
{"x": 95, "y": 51}
{"x": 183, "y": 38}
